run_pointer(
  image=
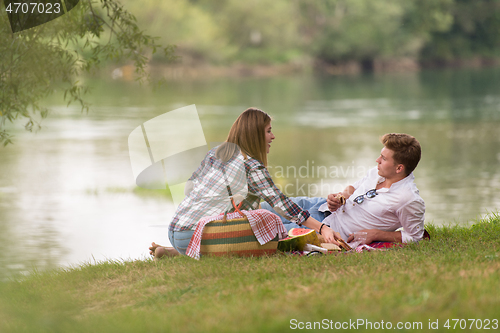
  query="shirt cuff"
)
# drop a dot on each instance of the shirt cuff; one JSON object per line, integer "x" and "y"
{"x": 406, "y": 238}
{"x": 302, "y": 217}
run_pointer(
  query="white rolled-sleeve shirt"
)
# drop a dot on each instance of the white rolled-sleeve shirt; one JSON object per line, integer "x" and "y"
{"x": 399, "y": 206}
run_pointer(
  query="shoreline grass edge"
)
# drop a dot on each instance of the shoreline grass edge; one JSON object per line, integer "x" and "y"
{"x": 455, "y": 275}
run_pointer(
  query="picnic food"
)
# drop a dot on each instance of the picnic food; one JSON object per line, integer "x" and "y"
{"x": 330, "y": 247}
{"x": 294, "y": 232}
{"x": 297, "y": 239}
{"x": 341, "y": 199}
{"x": 344, "y": 245}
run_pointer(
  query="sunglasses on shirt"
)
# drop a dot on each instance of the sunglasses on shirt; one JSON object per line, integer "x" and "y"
{"x": 370, "y": 194}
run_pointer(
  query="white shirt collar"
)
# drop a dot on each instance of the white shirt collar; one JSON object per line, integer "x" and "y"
{"x": 399, "y": 183}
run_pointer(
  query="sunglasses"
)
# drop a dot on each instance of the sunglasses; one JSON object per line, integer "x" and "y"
{"x": 370, "y": 194}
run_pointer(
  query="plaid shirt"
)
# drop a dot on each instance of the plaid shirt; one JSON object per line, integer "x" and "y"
{"x": 209, "y": 195}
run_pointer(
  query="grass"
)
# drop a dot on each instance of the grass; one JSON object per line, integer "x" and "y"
{"x": 455, "y": 275}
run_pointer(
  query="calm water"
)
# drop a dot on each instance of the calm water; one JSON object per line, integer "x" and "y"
{"x": 67, "y": 193}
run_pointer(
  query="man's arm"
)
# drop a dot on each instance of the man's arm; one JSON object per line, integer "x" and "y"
{"x": 374, "y": 235}
{"x": 334, "y": 203}
{"x": 348, "y": 191}
{"x": 411, "y": 216}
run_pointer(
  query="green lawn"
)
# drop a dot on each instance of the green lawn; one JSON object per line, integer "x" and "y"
{"x": 455, "y": 275}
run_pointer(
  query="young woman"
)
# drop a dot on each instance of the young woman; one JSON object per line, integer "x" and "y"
{"x": 244, "y": 153}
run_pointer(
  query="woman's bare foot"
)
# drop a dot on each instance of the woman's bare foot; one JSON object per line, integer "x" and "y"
{"x": 153, "y": 247}
{"x": 159, "y": 251}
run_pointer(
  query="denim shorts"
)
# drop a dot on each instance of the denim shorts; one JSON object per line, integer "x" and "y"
{"x": 180, "y": 240}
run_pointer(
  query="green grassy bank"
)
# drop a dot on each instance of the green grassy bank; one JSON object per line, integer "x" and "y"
{"x": 455, "y": 275}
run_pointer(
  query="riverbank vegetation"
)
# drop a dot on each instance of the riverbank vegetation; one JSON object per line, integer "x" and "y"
{"x": 36, "y": 62}
{"x": 453, "y": 276}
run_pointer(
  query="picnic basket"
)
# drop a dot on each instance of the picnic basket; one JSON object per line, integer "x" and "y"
{"x": 234, "y": 237}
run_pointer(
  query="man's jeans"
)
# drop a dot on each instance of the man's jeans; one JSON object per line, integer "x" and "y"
{"x": 306, "y": 203}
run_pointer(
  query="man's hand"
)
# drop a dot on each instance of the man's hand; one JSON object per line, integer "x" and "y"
{"x": 332, "y": 201}
{"x": 371, "y": 236}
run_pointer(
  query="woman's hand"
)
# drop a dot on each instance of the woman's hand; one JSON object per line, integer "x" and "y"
{"x": 330, "y": 235}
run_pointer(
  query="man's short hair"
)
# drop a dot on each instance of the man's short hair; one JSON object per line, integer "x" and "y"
{"x": 406, "y": 149}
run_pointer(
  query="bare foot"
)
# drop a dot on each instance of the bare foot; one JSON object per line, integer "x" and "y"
{"x": 159, "y": 251}
{"x": 153, "y": 247}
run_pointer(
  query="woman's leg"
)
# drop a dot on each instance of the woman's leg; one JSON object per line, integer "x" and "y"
{"x": 180, "y": 240}
{"x": 159, "y": 251}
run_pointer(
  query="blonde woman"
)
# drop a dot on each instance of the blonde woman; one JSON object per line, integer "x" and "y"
{"x": 244, "y": 152}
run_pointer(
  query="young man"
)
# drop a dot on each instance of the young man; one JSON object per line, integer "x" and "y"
{"x": 385, "y": 200}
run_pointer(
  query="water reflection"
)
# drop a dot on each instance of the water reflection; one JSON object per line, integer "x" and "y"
{"x": 67, "y": 193}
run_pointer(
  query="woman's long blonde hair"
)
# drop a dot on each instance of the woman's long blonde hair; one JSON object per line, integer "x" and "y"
{"x": 247, "y": 133}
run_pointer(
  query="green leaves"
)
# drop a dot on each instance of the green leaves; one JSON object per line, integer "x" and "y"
{"x": 36, "y": 60}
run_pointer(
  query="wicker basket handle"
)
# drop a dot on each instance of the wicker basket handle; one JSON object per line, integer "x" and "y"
{"x": 230, "y": 193}
{"x": 236, "y": 208}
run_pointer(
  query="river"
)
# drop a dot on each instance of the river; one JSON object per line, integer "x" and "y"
{"x": 68, "y": 195}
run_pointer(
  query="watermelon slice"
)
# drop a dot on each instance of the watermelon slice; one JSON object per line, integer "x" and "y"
{"x": 288, "y": 244}
{"x": 297, "y": 239}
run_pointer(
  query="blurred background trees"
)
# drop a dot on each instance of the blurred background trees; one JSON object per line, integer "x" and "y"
{"x": 474, "y": 33}
{"x": 330, "y": 31}
{"x": 369, "y": 35}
